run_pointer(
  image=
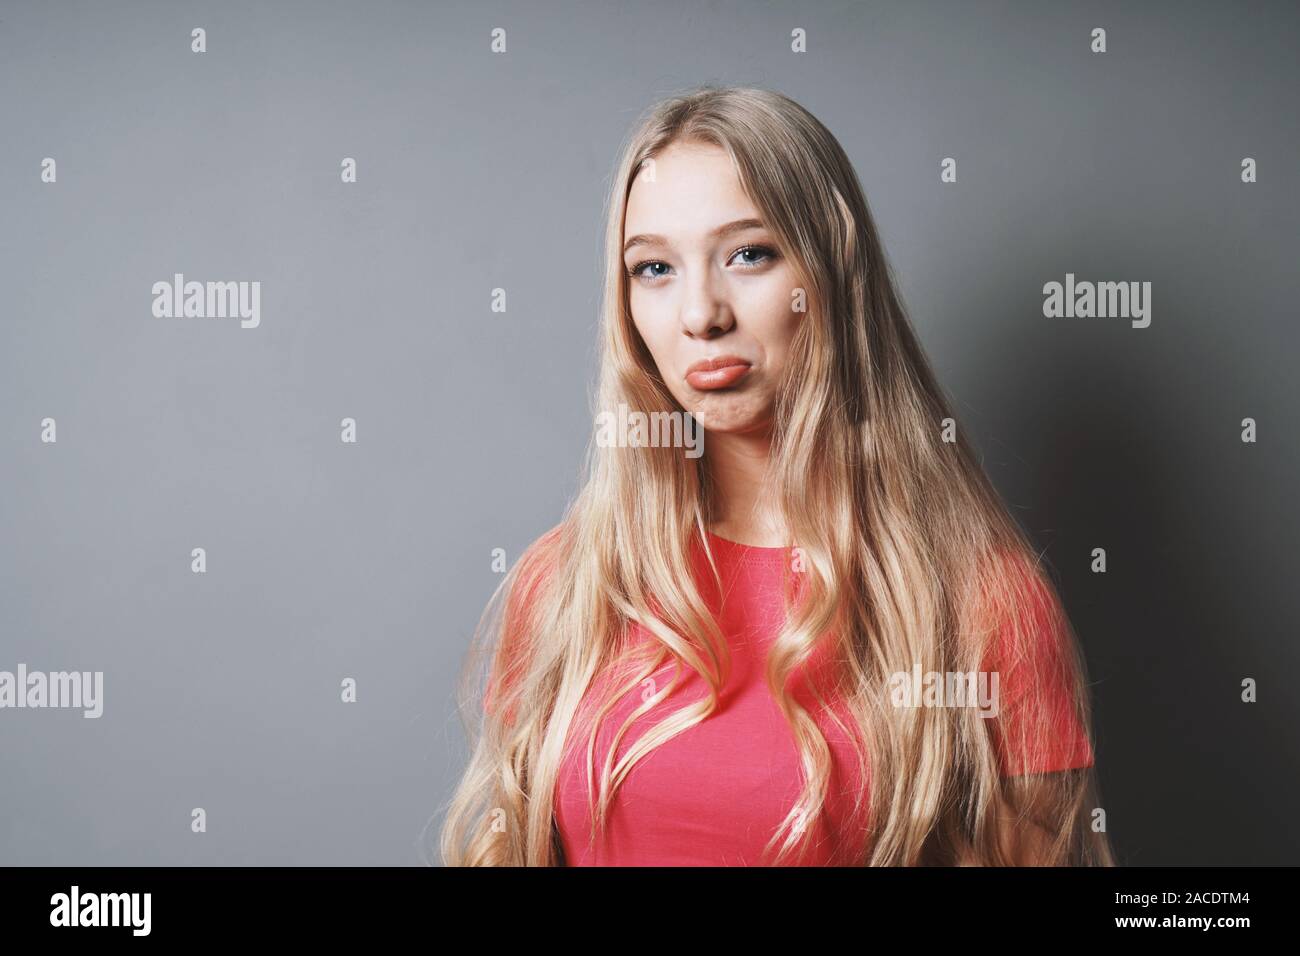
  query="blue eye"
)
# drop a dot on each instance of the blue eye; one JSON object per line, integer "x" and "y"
{"x": 635, "y": 271}
{"x": 765, "y": 253}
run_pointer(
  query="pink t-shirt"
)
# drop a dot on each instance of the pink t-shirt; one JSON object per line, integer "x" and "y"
{"x": 714, "y": 794}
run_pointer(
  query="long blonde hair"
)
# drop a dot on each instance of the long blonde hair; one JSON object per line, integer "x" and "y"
{"x": 910, "y": 559}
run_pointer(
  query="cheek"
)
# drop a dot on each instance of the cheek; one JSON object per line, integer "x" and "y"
{"x": 653, "y": 325}
{"x": 773, "y": 322}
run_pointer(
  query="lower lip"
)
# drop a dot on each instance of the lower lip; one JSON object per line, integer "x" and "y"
{"x": 723, "y": 377}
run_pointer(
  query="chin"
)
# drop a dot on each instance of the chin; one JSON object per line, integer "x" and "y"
{"x": 731, "y": 417}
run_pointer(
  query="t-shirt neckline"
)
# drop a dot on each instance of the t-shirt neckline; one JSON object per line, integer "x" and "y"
{"x": 746, "y": 552}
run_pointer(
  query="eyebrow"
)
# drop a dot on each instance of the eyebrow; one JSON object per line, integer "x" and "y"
{"x": 646, "y": 239}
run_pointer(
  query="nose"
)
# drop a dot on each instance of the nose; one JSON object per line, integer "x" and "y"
{"x": 705, "y": 314}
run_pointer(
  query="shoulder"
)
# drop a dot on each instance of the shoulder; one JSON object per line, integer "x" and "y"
{"x": 522, "y": 588}
{"x": 1040, "y": 724}
{"x": 1020, "y": 606}
{"x": 1028, "y": 640}
{"x": 534, "y": 567}
{"x": 525, "y": 584}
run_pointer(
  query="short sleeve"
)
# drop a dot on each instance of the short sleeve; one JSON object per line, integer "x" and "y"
{"x": 1037, "y": 728}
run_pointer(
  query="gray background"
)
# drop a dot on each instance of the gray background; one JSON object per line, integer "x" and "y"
{"x": 328, "y": 560}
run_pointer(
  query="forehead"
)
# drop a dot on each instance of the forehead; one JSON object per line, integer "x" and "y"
{"x": 695, "y": 187}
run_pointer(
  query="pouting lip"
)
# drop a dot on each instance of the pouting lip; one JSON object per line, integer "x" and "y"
{"x": 713, "y": 364}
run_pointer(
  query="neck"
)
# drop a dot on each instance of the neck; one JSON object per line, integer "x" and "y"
{"x": 742, "y": 510}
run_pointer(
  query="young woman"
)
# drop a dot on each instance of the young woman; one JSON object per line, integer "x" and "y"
{"x": 767, "y": 653}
